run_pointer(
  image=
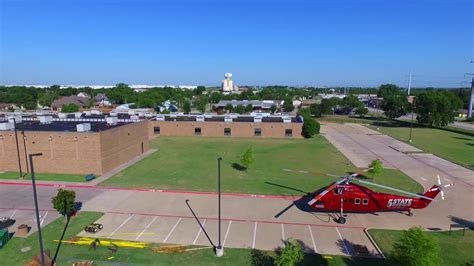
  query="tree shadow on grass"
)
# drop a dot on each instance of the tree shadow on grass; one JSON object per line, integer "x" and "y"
{"x": 239, "y": 167}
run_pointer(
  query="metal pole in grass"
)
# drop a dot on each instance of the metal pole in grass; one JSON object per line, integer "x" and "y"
{"x": 219, "y": 248}
{"x": 17, "y": 148}
{"x": 35, "y": 197}
{"x": 411, "y": 126}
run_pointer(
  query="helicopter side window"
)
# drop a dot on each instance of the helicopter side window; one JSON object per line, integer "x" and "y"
{"x": 357, "y": 201}
{"x": 365, "y": 201}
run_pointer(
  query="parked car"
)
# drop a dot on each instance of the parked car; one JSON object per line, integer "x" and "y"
{"x": 93, "y": 228}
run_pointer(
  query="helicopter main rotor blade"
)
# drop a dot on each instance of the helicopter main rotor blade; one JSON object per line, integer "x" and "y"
{"x": 324, "y": 192}
{"x": 394, "y": 189}
{"x": 284, "y": 210}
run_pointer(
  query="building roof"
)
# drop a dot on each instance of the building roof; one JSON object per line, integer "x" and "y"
{"x": 62, "y": 126}
{"x": 77, "y": 100}
{"x": 265, "y": 104}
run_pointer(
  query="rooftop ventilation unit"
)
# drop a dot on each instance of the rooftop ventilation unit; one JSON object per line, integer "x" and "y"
{"x": 160, "y": 118}
{"x": 84, "y": 127}
{"x": 286, "y": 119}
{"x": 77, "y": 115}
{"x": 18, "y": 118}
{"x": 46, "y": 119}
{"x": 7, "y": 126}
{"x": 114, "y": 114}
{"x": 134, "y": 117}
{"x": 111, "y": 120}
{"x": 199, "y": 118}
{"x": 227, "y": 119}
{"x": 257, "y": 119}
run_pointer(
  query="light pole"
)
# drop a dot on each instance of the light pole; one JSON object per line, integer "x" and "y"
{"x": 35, "y": 198}
{"x": 219, "y": 248}
{"x": 17, "y": 147}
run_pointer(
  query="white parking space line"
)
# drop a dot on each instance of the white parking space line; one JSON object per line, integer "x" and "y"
{"x": 424, "y": 179}
{"x": 146, "y": 228}
{"x": 121, "y": 225}
{"x": 13, "y": 214}
{"x": 254, "y": 234}
{"x": 282, "y": 233}
{"x": 172, "y": 230}
{"x": 343, "y": 242}
{"x": 312, "y": 239}
{"x": 44, "y": 217}
{"x": 226, "y": 233}
{"x": 199, "y": 232}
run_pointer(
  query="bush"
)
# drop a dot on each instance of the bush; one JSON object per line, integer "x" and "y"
{"x": 415, "y": 247}
{"x": 247, "y": 158}
{"x": 362, "y": 111}
{"x": 310, "y": 127}
{"x": 291, "y": 254}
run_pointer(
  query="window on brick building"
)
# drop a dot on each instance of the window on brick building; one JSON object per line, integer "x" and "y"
{"x": 197, "y": 131}
{"x": 156, "y": 130}
{"x": 227, "y": 131}
{"x": 257, "y": 132}
{"x": 288, "y": 132}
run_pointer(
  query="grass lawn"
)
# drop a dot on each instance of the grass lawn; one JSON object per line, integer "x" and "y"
{"x": 455, "y": 249}
{"x": 45, "y": 176}
{"x": 11, "y": 254}
{"x": 453, "y": 146}
{"x": 190, "y": 163}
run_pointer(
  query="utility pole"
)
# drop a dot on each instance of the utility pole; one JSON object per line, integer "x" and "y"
{"x": 17, "y": 148}
{"x": 409, "y": 83}
{"x": 471, "y": 99}
{"x": 219, "y": 248}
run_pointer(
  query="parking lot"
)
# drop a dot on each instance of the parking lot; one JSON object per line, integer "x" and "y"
{"x": 27, "y": 216}
{"x": 264, "y": 235}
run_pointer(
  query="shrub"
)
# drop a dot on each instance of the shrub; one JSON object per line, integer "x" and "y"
{"x": 415, "y": 247}
{"x": 290, "y": 255}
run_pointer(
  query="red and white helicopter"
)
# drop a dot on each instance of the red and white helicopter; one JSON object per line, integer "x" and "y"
{"x": 345, "y": 196}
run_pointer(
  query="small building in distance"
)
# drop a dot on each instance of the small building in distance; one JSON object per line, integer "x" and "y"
{"x": 71, "y": 147}
{"x": 80, "y": 101}
{"x": 227, "y": 85}
{"x": 239, "y": 126}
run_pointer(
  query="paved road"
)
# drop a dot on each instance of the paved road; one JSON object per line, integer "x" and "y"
{"x": 362, "y": 145}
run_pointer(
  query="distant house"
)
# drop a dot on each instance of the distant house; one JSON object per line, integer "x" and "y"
{"x": 102, "y": 100}
{"x": 77, "y": 100}
{"x": 8, "y": 106}
{"x": 168, "y": 106}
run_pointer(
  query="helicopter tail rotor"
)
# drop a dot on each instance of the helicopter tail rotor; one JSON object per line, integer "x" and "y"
{"x": 443, "y": 186}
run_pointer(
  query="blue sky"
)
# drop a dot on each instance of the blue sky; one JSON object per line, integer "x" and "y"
{"x": 320, "y": 43}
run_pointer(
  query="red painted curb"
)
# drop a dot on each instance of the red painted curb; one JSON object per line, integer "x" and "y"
{"x": 209, "y": 218}
{"x": 292, "y": 198}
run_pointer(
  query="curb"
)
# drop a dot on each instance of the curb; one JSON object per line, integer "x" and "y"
{"x": 366, "y": 231}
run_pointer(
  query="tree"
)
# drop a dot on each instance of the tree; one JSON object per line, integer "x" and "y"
{"x": 375, "y": 167}
{"x": 352, "y": 101}
{"x": 249, "y": 108}
{"x": 273, "y": 108}
{"x": 388, "y": 90}
{"x": 199, "y": 90}
{"x": 415, "y": 247}
{"x": 247, "y": 158}
{"x": 70, "y": 108}
{"x": 288, "y": 105}
{"x": 45, "y": 99}
{"x": 187, "y": 107}
{"x": 395, "y": 105}
{"x": 64, "y": 202}
{"x": 228, "y": 107}
{"x": 310, "y": 127}
{"x": 436, "y": 108}
{"x": 291, "y": 254}
{"x": 215, "y": 97}
{"x": 362, "y": 111}
{"x": 315, "y": 109}
{"x": 240, "y": 109}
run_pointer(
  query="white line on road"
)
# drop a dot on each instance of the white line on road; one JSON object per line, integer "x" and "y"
{"x": 146, "y": 228}
{"x": 13, "y": 214}
{"x": 172, "y": 229}
{"x": 424, "y": 179}
{"x": 199, "y": 232}
{"x": 254, "y": 234}
{"x": 282, "y": 233}
{"x": 44, "y": 217}
{"x": 343, "y": 242}
{"x": 121, "y": 225}
{"x": 312, "y": 239}
{"x": 226, "y": 233}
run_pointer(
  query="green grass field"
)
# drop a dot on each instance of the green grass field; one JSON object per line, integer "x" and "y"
{"x": 455, "y": 249}
{"x": 453, "y": 146}
{"x": 45, "y": 176}
{"x": 191, "y": 164}
{"x": 68, "y": 254}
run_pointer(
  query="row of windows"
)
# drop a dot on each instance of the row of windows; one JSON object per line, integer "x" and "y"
{"x": 228, "y": 131}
